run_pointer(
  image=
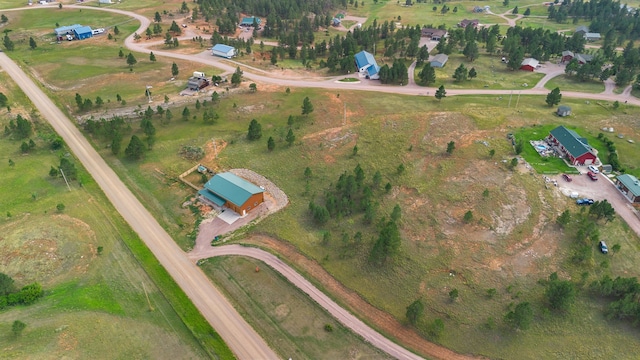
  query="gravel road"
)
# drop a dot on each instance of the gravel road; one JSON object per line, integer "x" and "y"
{"x": 241, "y": 338}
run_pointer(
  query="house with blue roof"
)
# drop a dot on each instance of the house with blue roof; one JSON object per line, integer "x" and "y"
{"x": 83, "y": 32}
{"x": 233, "y": 192}
{"x": 574, "y": 148}
{"x": 224, "y": 51}
{"x": 367, "y": 65}
{"x": 65, "y": 30}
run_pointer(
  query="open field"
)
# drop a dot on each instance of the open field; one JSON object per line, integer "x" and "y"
{"x": 492, "y": 74}
{"x": 570, "y": 84}
{"x": 291, "y": 322}
{"x": 491, "y": 252}
{"x": 98, "y": 294}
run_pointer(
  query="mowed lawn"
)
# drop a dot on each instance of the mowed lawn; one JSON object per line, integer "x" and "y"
{"x": 565, "y": 82}
{"x": 99, "y": 299}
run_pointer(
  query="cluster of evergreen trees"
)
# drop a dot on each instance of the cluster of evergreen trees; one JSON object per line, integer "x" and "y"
{"x": 613, "y": 154}
{"x": 624, "y": 294}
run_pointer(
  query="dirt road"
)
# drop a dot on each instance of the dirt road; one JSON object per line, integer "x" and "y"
{"x": 241, "y": 338}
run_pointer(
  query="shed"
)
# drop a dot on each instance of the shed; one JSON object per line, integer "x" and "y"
{"x": 529, "y": 64}
{"x": 249, "y": 21}
{"x": 629, "y": 185}
{"x": 439, "y": 60}
{"x": 233, "y": 192}
{"x": 83, "y": 32}
{"x": 567, "y": 56}
{"x": 66, "y": 30}
{"x": 570, "y": 145}
{"x": 336, "y": 22}
{"x": 224, "y": 51}
{"x": 563, "y": 110}
{"x": 592, "y": 36}
{"x": 367, "y": 65}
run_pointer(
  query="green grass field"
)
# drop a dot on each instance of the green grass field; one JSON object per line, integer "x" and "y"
{"x": 117, "y": 302}
{"x": 568, "y": 83}
{"x": 285, "y": 317}
{"x": 492, "y": 74}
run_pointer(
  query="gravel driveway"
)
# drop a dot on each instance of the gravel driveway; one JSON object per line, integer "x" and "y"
{"x": 601, "y": 190}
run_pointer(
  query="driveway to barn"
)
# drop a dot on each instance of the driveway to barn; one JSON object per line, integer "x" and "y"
{"x": 239, "y": 336}
{"x": 603, "y": 189}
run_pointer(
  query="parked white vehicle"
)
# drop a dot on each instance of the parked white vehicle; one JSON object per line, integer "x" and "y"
{"x": 593, "y": 169}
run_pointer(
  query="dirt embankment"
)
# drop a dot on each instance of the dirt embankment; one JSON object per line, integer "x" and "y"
{"x": 381, "y": 320}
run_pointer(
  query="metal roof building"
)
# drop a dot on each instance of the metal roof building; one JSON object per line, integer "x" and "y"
{"x": 233, "y": 192}
{"x": 367, "y": 65}
{"x": 630, "y": 187}
{"x": 574, "y": 147}
{"x": 83, "y": 32}
{"x": 439, "y": 60}
{"x": 66, "y": 30}
{"x": 224, "y": 51}
{"x": 248, "y": 21}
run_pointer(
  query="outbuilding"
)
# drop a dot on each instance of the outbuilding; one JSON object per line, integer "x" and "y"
{"x": 367, "y": 65}
{"x": 570, "y": 145}
{"x": 592, "y": 36}
{"x": 629, "y": 185}
{"x": 529, "y": 64}
{"x": 224, "y": 51}
{"x": 233, "y": 192}
{"x": 563, "y": 110}
{"x": 439, "y": 60}
{"x": 249, "y": 21}
{"x": 65, "y": 30}
{"x": 83, "y": 32}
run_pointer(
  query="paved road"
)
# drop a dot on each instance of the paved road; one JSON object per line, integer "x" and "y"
{"x": 241, "y": 338}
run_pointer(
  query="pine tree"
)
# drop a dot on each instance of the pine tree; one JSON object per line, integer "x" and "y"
{"x": 131, "y": 60}
{"x": 554, "y": 97}
{"x": 32, "y": 43}
{"x": 290, "y": 138}
{"x": 255, "y": 130}
{"x": 307, "y": 107}
{"x": 271, "y": 144}
{"x": 441, "y": 93}
{"x": 427, "y": 75}
{"x": 135, "y": 150}
{"x": 174, "y": 70}
{"x": 152, "y": 56}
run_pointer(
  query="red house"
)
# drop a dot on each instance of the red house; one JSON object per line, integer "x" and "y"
{"x": 571, "y": 146}
{"x": 529, "y": 64}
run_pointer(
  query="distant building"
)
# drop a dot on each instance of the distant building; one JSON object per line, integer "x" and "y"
{"x": 592, "y": 36}
{"x": 464, "y": 23}
{"x": 223, "y": 50}
{"x": 629, "y": 185}
{"x": 83, "y": 32}
{"x": 336, "y": 22}
{"x": 249, "y": 21}
{"x": 439, "y": 60}
{"x": 570, "y": 145}
{"x": 581, "y": 58}
{"x": 233, "y": 192}
{"x": 563, "y": 110}
{"x": 433, "y": 34}
{"x": 582, "y": 30}
{"x": 367, "y": 65}
{"x": 529, "y": 64}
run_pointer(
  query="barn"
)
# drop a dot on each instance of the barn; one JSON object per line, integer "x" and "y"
{"x": 233, "y": 192}
{"x": 224, "y": 51}
{"x": 529, "y": 64}
{"x": 571, "y": 146}
{"x": 367, "y": 65}
{"x": 83, "y": 32}
{"x": 249, "y": 21}
{"x": 65, "y": 30}
{"x": 629, "y": 185}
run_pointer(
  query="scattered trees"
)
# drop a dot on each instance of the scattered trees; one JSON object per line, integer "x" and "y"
{"x": 236, "y": 78}
{"x": 554, "y": 97}
{"x": 135, "y": 149}
{"x": 415, "y": 311}
{"x": 307, "y": 106}
{"x": 255, "y": 130}
{"x": 521, "y": 317}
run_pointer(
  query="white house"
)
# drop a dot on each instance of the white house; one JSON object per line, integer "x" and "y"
{"x": 224, "y": 51}
{"x": 367, "y": 65}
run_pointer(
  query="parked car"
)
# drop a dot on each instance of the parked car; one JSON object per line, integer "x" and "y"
{"x": 585, "y": 201}
{"x": 593, "y": 169}
{"x": 603, "y": 247}
{"x": 567, "y": 177}
{"x": 69, "y": 37}
{"x": 592, "y": 176}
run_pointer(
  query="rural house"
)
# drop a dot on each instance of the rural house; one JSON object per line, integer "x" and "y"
{"x": 248, "y": 21}
{"x": 529, "y": 64}
{"x": 224, "y": 51}
{"x": 233, "y": 192}
{"x": 433, "y": 34}
{"x": 464, "y": 23}
{"x": 592, "y": 36}
{"x": 629, "y": 185}
{"x": 571, "y": 146}
{"x": 582, "y": 30}
{"x": 567, "y": 56}
{"x": 65, "y": 30}
{"x": 367, "y": 65}
{"x": 83, "y": 32}
{"x": 336, "y": 22}
{"x": 439, "y": 60}
{"x": 563, "y": 110}
{"x": 581, "y": 58}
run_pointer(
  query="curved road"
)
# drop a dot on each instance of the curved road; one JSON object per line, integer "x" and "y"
{"x": 240, "y": 337}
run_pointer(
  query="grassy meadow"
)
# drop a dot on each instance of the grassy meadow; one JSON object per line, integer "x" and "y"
{"x": 568, "y": 83}
{"x": 286, "y": 318}
{"x": 489, "y": 252}
{"x": 104, "y": 291}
